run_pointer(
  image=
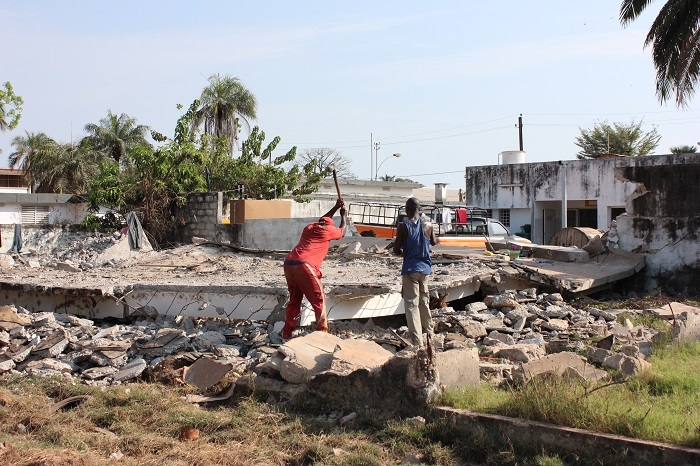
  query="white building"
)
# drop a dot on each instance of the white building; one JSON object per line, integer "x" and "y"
{"x": 653, "y": 198}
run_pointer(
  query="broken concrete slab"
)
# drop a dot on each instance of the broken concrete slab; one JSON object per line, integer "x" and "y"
{"x": 626, "y": 365}
{"x": 205, "y": 373}
{"x": 9, "y": 318}
{"x": 521, "y": 352}
{"x": 130, "y": 371}
{"x": 458, "y": 368}
{"x": 559, "y": 254}
{"x": 674, "y": 310}
{"x": 410, "y": 379}
{"x": 557, "y": 364}
{"x": 166, "y": 341}
{"x": 353, "y": 354}
{"x": 307, "y": 356}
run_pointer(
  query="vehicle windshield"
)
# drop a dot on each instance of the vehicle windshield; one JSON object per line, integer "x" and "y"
{"x": 499, "y": 229}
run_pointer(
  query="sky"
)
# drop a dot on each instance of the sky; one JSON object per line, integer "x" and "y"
{"x": 440, "y": 83}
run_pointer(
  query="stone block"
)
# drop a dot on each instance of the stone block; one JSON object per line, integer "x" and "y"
{"x": 559, "y": 363}
{"x": 457, "y": 368}
{"x": 521, "y": 352}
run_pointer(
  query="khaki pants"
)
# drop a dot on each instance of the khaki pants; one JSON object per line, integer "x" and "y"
{"x": 416, "y": 300}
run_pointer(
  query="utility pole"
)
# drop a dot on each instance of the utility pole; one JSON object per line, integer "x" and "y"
{"x": 371, "y": 162}
{"x": 376, "y": 148}
{"x": 520, "y": 131}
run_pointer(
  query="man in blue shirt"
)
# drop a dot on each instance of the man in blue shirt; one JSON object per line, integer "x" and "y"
{"x": 413, "y": 240}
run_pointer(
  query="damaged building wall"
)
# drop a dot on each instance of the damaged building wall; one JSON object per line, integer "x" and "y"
{"x": 534, "y": 191}
{"x": 204, "y": 216}
{"x": 279, "y": 231}
{"x": 664, "y": 220}
{"x": 656, "y": 191}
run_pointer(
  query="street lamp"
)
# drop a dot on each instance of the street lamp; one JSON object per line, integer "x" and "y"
{"x": 376, "y": 148}
{"x": 376, "y": 174}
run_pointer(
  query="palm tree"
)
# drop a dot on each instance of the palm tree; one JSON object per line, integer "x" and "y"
{"x": 224, "y": 103}
{"x": 675, "y": 39}
{"x": 683, "y": 149}
{"x": 27, "y": 149}
{"x": 115, "y": 135}
{"x": 50, "y": 167}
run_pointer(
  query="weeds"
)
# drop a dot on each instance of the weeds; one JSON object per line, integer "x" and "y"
{"x": 660, "y": 404}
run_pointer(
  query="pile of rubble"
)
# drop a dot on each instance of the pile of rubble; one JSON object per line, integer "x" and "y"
{"x": 516, "y": 328}
{"x": 517, "y": 334}
{"x": 76, "y": 248}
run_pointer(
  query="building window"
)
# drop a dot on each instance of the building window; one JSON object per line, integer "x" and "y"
{"x": 504, "y": 217}
{"x": 35, "y": 214}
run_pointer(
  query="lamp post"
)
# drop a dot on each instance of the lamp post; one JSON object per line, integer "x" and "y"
{"x": 376, "y": 174}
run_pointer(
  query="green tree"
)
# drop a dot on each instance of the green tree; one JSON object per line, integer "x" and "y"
{"x": 675, "y": 41}
{"x": 683, "y": 149}
{"x": 225, "y": 102}
{"x": 155, "y": 182}
{"x": 50, "y": 167}
{"x": 115, "y": 136}
{"x": 264, "y": 176}
{"x": 26, "y": 149}
{"x": 327, "y": 159}
{"x": 618, "y": 138}
{"x": 10, "y": 108}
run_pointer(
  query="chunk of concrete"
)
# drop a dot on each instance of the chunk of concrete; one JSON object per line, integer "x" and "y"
{"x": 96, "y": 373}
{"x": 559, "y": 363}
{"x": 47, "y": 366}
{"x": 166, "y": 341}
{"x": 687, "y": 330}
{"x": 559, "y": 325}
{"x": 205, "y": 373}
{"x": 130, "y": 371}
{"x": 312, "y": 353}
{"x": 353, "y": 354}
{"x": 405, "y": 386}
{"x": 560, "y": 254}
{"x": 473, "y": 329}
{"x": 521, "y": 352}
{"x": 597, "y": 355}
{"x": 6, "y": 365}
{"x": 51, "y": 346}
{"x": 457, "y": 368}
{"x": 626, "y": 365}
{"x": 9, "y": 318}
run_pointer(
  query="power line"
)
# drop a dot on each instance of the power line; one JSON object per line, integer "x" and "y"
{"x": 364, "y": 144}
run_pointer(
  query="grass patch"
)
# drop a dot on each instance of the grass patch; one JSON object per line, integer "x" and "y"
{"x": 145, "y": 420}
{"x": 660, "y": 404}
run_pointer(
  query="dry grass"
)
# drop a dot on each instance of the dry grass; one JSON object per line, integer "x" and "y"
{"x": 140, "y": 425}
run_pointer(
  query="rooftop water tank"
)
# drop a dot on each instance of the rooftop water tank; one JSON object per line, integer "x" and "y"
{"x": 509, "y": 157}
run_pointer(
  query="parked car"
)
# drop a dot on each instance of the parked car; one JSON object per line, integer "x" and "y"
{"x": 462, "y": 226}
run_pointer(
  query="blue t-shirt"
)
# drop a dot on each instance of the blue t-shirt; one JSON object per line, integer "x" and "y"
{"x": 416, "y": 249}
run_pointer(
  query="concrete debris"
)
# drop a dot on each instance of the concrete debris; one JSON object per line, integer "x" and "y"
{"x": 509, "y": 336}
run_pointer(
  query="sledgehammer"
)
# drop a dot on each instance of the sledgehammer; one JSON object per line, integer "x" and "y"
{"x": 335, "y": 180}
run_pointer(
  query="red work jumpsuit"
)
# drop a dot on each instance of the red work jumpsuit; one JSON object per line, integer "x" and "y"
{"x": 302, "y": 269}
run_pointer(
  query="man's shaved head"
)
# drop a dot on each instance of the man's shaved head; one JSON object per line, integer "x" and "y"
{"x": 412, "y": 205}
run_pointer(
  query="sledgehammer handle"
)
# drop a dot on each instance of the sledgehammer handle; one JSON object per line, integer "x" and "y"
{"x": 337, "y": 188}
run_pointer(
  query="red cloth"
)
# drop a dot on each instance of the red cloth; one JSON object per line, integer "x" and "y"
{"x": 302, "y": 280}
{"x": 314, "y": 243}
{"x": 461, "y": 215}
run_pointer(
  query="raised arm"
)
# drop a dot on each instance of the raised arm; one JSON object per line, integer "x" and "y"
{"x": 338, "y": 204}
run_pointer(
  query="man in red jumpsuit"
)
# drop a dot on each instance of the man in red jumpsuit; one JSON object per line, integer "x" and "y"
{"x": 302, "y": 269}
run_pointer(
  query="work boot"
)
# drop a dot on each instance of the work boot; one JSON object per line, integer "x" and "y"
{"x": 286, "y": 333}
